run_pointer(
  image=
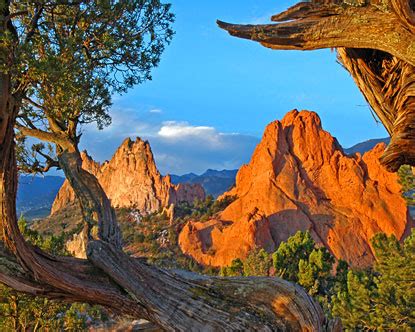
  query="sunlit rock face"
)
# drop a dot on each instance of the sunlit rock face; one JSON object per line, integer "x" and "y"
{"x": 299, "y": 178}
{"x": 131, "y": 180}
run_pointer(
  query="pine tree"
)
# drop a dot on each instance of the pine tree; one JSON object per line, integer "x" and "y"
{"x": 287, "y": 258}
{"x": 236, "y": 269}
{"x": 314, "y": 273}
{"x": 382, "y": 299}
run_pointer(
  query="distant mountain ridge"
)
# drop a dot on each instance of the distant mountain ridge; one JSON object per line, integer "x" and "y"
{"x": 366, "y": 145}
{"x": 214, "y": 182}
{"x": 35, "y": 194}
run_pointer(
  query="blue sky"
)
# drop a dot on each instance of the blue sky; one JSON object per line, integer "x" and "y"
{"x": 212, "y": 94}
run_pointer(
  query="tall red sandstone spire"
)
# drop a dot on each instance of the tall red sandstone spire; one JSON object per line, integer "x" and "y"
{"x": 299, "y": 178}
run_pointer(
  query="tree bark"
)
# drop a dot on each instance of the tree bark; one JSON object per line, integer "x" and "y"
{"x": 39, "y": 273}
{"x": 388, "y": 85}
{"x": 183, "y": 301}
{"x": 96, "y": 207}
{"x": 376, "y": 45}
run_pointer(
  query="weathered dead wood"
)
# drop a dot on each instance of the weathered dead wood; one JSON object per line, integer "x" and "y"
{"x": 403, "y": 10}
{"x": 376, "y": 45}
{"x": 388, "y": 85}
{"x": 183, "y": 301}
{"x": 331, "y": 26}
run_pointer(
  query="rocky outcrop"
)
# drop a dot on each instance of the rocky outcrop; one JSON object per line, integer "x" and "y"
{"x": 131, "y": 180}
{"x": 76, "y": 246}
{"x": 299, "y": 178}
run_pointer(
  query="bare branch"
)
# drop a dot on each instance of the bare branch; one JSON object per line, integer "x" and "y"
{"x": 45, "y": 136}
{"x": 331, "y": 26}
{"x": 34, "y": 23}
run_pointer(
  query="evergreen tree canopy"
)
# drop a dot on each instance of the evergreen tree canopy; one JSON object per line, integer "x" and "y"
{"x": 70, "y": 56}
{"x": 382, "y": 299}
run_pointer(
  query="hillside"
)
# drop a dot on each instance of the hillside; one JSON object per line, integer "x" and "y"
{"x": 36, "y": 194}
{"x": 365, "y": 146}
{"x": 214, "y": 182}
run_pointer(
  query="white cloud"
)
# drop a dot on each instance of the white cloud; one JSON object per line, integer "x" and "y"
{"x": 156, "y": 111}
{"x": 178, "y": 130}
{"x": 178, "y": 147}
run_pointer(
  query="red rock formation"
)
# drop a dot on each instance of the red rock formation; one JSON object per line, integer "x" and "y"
{"x": 299, "y": 178}
{"x": 131, "y": 180}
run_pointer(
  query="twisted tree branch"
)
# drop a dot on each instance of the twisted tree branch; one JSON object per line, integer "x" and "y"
{"x": 375, "y": 44}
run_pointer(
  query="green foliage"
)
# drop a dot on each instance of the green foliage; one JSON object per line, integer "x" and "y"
{"x": 314, "y": 273}
{"x": 51, "y": 243}
{"x": 382, "y": 299}
{"x": 70, "y": 57}
{"x": 258, "y": 263}
{"x": 202, "y": 210}
{"x": 20, "y": 312}
{"x": 353, "y": 305}
{"x": 236, "y": 269}
{"x": 407, "y": 180}
{"x": 287, "y": 258}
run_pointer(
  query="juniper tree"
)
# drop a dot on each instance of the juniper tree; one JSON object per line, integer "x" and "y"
{"x": 80, "y": 53}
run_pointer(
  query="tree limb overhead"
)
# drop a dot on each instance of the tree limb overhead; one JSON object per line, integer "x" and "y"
{"x": 376, "y": 44}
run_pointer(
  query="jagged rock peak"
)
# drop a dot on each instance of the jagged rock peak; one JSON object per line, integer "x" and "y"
{"x": 132, "y": 180}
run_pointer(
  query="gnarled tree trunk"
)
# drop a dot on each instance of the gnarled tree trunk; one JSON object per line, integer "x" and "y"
{"x": 96, "y": 207}
{"x": 376, "y": 44}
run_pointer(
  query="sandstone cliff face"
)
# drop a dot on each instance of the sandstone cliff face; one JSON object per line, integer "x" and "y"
{"x": 131, "y": 180}
{"x": 299, "y": 178}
